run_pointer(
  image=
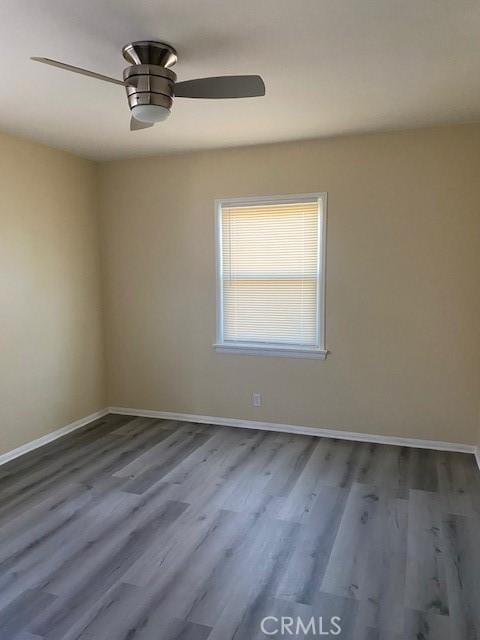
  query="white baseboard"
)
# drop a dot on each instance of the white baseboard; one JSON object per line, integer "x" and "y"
{"x": 245, "y": 424}
{"x": 49, "y": 437}
{"x": 309, "y": 431}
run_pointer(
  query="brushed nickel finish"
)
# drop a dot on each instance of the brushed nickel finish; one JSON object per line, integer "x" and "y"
{"x": 150, "y": 52}
{"x": 149, "y": 69}
{"x": 155, "y": 84}
{"x": 148, "y": 97}
{"x": 149, "y": 84}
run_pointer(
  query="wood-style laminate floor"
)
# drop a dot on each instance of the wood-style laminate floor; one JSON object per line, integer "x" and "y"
{"x": 141, "y": 529}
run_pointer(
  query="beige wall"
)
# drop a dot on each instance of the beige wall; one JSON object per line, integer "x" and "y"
{"x": 51, "y": 353}
{"x": 403, "y": 273}
{"x": 403, "y": 276}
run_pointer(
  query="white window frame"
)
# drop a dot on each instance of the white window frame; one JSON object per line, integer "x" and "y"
{"x": 318, "y": 350}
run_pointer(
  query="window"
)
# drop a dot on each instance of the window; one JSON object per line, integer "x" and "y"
{"x": 270, "y": 275}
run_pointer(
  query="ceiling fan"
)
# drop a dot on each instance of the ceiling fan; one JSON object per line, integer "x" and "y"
{"x": 151, "y": 85}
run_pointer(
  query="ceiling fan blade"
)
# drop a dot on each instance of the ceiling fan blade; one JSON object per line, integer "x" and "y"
{"x": 221, "y": 87}
{"x": 136, "y": 125}
{"x": 83, "y": 72}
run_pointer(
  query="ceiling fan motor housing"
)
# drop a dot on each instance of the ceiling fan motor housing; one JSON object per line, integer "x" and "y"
{"x": 150, "y": 81}
{"x": 149, "y": 84}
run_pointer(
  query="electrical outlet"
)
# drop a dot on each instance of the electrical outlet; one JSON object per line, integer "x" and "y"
{"x": 257, "y": 400}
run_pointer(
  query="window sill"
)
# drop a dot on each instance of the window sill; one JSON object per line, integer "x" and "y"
{"x": 279, "y": 351}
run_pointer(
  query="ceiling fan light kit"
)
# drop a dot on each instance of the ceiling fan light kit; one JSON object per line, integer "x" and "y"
{"x": 151, "y": 85}
{"x": 149, "y": 81}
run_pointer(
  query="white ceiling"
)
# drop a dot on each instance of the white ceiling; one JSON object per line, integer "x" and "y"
{"x": 330, "y": 67}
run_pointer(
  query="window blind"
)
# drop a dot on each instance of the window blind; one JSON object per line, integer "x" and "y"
{"x": 270, "y": 273}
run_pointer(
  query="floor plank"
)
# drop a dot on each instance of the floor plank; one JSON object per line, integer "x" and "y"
{"x": 145, "y": 529}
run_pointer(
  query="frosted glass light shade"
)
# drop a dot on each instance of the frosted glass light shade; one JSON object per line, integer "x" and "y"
{"x": 150, "y": 113}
